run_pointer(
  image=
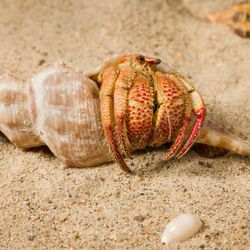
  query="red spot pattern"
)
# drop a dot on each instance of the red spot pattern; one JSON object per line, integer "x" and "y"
{"x": 140, "y": 112}
{"x": 170, "y": 113}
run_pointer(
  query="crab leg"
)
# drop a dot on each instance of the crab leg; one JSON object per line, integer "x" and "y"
{"x": 199, "y": 111}
{"x": 195, "y": 131}
{"x": 106, "y": 96}
{"x": 123, "y": 84}
{"x": 172, "y": 110}
{"x": 181, "y": 135}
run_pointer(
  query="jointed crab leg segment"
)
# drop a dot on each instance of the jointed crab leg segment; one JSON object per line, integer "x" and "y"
{"x": 107, "y": 112}
{"x": 123, "y": 84}
{"x": 169, "y": 111}
{"x": 176, "y": 109}
{"x": 182, "y": 132}
{"x": 199, "y": 110}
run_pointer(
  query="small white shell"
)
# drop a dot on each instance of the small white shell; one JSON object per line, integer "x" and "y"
{"x": 181, "y": 228}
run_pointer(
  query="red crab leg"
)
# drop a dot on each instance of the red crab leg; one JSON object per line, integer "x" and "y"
{"x": 123, "y": 84}
{"x": 172, "y": 112}
{"x": 106, "y": 96}
{"x": 199, "y": 111}
{"x": 169, "y": 113}
{"x": 181, "y": 134}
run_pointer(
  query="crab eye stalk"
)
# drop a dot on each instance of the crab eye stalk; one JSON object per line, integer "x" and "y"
{"x": 141, "y": 58}
{"x": 153, "y": 61}
{"x": 157, "y": 61}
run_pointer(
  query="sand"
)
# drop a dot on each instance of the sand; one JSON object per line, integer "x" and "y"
{"x": 44, "y": 205}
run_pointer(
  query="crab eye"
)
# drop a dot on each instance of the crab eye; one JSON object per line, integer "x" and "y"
{"x": 141, "y": 58}
{"x": 157, "y": 61}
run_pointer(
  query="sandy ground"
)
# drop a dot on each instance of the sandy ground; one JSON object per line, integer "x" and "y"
{"x": 45, "y": 206}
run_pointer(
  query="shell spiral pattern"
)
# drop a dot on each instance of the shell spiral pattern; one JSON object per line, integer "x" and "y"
{"x": 58, "y": 107}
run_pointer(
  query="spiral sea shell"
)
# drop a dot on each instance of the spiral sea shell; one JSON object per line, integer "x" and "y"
{"x": 58, "y": 107}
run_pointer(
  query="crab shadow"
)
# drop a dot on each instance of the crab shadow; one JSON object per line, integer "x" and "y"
{"x": 193, "y": 164}
{"x": 194, "y": 161}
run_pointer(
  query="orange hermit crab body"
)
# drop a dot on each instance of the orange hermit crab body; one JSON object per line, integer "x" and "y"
{"x": 141, "y": 105}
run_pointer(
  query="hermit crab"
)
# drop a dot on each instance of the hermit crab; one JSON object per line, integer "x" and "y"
{"x": 142, "y": 106}
{"x": 129, "y": 102}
